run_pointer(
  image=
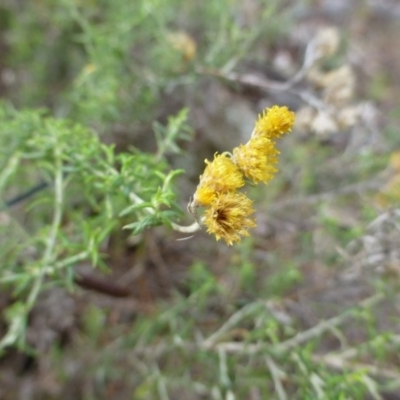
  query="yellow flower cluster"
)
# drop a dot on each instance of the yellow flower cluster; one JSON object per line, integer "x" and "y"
{"x": 228, "y": 211}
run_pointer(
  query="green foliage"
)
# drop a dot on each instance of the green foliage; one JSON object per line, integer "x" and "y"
{"x": 108, "y": 62}
{"x": 88, "y": 185}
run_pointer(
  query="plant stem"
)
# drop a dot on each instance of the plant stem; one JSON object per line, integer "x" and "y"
{"x": 51, "y": 239}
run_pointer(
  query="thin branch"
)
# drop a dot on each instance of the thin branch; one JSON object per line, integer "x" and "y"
{"x": 256, "y": 348}
{"x": 233, "y": 320}
{"x": 186, "y": 229}
{"x": 9, "y": 169}
{"x": 301, "y": 337}
{"x": 338, "y": 363}
{"x": 179, "y": 228}
{"x": 327, "y": 325}
{"x": 277, "y": 376}
{"x": 101, "y": 285}
{"x": 27, "y": 194}
{"x": 269, "y": 85}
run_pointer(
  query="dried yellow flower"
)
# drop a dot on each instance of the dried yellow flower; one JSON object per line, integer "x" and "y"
{"x": 274, "y": 122}
{"x": 220, "y": 175}
{"x": 257, "y": 159}
{"x": 228, "y": 217}
{"x": 228, "y": 212}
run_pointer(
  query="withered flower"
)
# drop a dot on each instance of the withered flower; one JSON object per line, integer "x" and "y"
{"x": 228, "y": 217}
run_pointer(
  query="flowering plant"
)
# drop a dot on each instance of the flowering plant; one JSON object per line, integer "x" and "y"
{"x": 228, "y": 212}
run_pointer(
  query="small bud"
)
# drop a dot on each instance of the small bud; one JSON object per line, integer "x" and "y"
{"x": 323, "y": 125}
{"x": 348, "y": 117}
{"x": 326, "y": 42}
{"x": 340, "y": 85}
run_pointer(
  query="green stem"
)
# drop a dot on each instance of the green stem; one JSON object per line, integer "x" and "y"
{"x": 9, "y": 169}
{"x": 51, "y": 239}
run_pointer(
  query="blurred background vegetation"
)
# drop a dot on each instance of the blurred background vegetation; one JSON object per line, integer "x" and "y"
{"x": 108, "y": 110}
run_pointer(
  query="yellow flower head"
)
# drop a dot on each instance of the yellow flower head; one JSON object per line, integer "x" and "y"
{"x": 274, "y": 122}
{"x": 220, "y": 175}
{"x": 228, "y": 217}
{"x": 257, "y": 159}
